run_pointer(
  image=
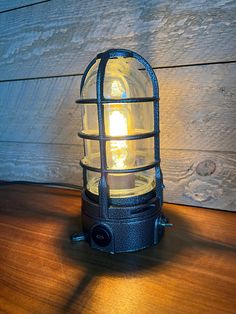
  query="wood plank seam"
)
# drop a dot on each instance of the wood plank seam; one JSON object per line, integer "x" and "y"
{"x": 197, "y": 109}
{"x": 193, "y": 178}
{"x": 74, "y": 144}
{"x": 24, "y": 6}
{"x": 81, "y": 74}
{"x": 164, "y": 33}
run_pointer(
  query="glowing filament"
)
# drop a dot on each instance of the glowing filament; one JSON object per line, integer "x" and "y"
{"x": 119, "y": 149}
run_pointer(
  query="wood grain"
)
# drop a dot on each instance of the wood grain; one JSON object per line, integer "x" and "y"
{"x": 165, "y": 32}
{"x": 198, "y": 109}
{"x": 16, "y": 4}
{"x": 40, "y": 111}
{"x": 205, "y": 179}
{"x": 41, "y": 162}
{"x": 190, "y": 271}
{"x": 39, "y": 119}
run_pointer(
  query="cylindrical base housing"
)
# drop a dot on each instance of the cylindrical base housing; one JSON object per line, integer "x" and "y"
{"x": 123, "y": 228}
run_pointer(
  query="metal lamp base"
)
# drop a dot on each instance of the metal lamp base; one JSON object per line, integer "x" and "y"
{"x": 125, "y": 229}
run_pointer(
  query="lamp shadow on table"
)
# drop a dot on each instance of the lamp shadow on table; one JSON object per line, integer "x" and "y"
{"x": 97, "y": 265}
{"x": 178, "y": 241}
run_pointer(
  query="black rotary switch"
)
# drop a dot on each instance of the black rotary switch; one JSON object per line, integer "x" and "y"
{"x": 101, "y": 235}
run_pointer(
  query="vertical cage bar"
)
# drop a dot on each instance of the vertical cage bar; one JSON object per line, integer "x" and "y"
{"x": 81, "y": 88}
{"x": 158, "y": 173}
{"x": 103, "y": 186}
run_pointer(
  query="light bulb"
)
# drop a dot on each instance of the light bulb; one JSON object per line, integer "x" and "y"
{"x": 116, "y": 89}
{"x": 119, "y": 149}
{"x": 119, "y": 124}
{"x": 122, "y": 80}
{"x": 119, "y": 152}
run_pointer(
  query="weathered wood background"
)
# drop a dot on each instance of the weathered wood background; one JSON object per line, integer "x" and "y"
{"x": 45, "y": 47}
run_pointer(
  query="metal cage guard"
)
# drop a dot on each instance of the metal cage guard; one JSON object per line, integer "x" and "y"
{"x": 104, "y": 201}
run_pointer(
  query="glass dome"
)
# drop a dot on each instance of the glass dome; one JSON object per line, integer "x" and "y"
{"x": 123, "y": 79}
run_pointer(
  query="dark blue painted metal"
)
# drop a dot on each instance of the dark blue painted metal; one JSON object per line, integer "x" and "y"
{"x": 86, "y": 73}
{"x": 103, "y": 186}
{"x": 126, "y": 170}
{"x": 117, "y": 138}
{"x": 116, "y": 101}
{"x": 128, "y": 201}
{"x": 118, "y": 217}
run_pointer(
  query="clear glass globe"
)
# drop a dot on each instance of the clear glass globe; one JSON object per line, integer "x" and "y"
{"x": 123, "y": 79}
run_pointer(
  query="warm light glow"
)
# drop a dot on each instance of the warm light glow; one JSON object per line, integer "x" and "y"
{"x": 116, "y": 89}
{"x": 118, "y": 126}
{"x": 122, "y": 80}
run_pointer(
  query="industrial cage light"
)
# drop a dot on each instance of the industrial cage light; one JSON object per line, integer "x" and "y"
{"x": 123, "y": 186}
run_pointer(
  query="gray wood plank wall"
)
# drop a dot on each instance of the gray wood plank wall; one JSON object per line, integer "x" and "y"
{"x": 191, "y": 45}
{"x": 7, "y": 5}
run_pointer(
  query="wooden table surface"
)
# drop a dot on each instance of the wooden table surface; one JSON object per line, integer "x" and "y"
{"x": 192, "y": 270}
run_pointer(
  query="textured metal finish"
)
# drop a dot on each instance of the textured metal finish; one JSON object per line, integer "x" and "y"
{"x": 134, "y": 200}
{"x": 126, "y": 170}
{"x": 115, "y": 138}
{"x": 121, "y": 224}
{"x": 77, "y": 237}
{"x": 115, "y": 100}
